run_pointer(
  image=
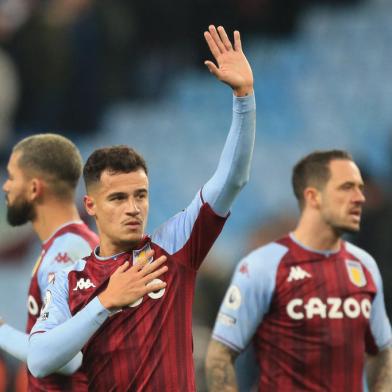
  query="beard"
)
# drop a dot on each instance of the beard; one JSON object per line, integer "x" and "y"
{"x": 342, "y": 229}
{"x": 20, "y": 213}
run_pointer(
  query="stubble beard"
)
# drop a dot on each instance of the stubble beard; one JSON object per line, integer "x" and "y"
{"x": 20, "y": 213}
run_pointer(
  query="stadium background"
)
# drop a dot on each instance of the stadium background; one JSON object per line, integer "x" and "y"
{"x": 110, "y": 72}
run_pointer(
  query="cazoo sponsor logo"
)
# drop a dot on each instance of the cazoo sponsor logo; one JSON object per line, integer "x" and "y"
{"x": 331, "y": 308}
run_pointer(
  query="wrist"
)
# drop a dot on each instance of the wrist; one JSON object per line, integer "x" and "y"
{"x": 105, "y": 302}
{"x": 243, "y": 91}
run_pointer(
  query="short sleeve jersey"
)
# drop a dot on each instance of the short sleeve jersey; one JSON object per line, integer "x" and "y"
{"x": 68, "y": 244}
{"x": 311, "y": 316}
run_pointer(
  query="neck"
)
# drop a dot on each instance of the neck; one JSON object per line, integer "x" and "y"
{"x": 51, "y": 216}
{"x": 107, "y": 248}
{"x": 316, "y": 234}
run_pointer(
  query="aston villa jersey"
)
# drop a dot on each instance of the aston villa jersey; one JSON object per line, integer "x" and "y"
{"x": 311, "y": 316}
{"x": 67, "y": 245}
{"x": 147, "y": 346}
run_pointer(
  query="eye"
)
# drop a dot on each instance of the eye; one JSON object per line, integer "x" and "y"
{"x": 347, "y": 186}
{"x": 141, "y": 195}
{"x": 117, "y": 197}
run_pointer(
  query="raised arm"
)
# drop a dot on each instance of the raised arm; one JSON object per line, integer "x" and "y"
{"x": 233, "y": 169}
{"x": 220, "y": 372}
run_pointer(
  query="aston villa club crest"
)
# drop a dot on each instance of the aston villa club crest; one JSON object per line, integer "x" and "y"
{"x": 355, "y": 273}
{"x": 140, "y": 254}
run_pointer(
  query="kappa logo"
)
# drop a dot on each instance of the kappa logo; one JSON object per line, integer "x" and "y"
{"x": 63, "y": 258}
{"x": 83, "y": 284}
{"x": 298, "y": 273}
{"x": 244, "y": 269}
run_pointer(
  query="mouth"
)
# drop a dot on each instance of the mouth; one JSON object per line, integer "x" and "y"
{"x": 356, "y": 214}
{"x": 133, "y": 224}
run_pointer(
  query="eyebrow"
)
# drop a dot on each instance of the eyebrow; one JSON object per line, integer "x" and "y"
{"x": 116, "y": 194}
{"x": 141, "y": 190}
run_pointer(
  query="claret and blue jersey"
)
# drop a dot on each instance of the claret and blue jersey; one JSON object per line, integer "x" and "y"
{"x": 311, "y": 315}
{"x": 68, "y": 244}
{"x": 149, "y": 343}
{"x": 147, "y": 346}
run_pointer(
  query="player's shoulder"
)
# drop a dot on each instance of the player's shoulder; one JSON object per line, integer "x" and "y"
{"x": 361, "y": 254}
{"x": 67, "y": 248}
{"x": 266, "y": 257}
{"x": 61, "y": 276}
{"x": 69, "y": 239}
{"x": 364, "y": 257}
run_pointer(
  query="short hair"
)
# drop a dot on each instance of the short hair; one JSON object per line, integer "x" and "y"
{"x": 115, "y": 159}
{"x": 53, "y": 157}
{"x": 313, "y": 170}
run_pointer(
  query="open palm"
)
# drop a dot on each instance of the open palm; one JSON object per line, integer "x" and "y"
{"x": 232, "y": 66}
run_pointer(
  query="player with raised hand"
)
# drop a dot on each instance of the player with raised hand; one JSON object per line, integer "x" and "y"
{"x": 147, "y": 345}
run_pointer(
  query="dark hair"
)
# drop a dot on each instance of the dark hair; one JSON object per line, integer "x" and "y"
{"x": 53, "y": 157}
{"x": 115, "y": 159}
{"x": 313, "y": 170}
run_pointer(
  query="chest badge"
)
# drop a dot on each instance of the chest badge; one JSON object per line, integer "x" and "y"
{"x": 140, "y": 254}
{"x": 356, "y": 273}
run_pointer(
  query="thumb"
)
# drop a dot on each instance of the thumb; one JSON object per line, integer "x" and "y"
{"x": 212, "y": 67}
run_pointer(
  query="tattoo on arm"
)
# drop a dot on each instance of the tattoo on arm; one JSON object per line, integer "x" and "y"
{"x": 220, "y": 371}
{"x": 379, "y": 371}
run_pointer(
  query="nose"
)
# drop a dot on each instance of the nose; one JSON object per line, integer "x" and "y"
{"x": 359, "y": 196}
{"x": 133, "y": 208}
{"x": 5, "y": 186}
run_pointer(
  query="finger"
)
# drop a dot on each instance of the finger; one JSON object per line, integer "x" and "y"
{"x": 122, "y": 268}
{"x": 155, "y": 274}
{"x": 212, "y": 45}
{"x": 144, "y": 259}
{"x": 237, "y": 41}
{"x": 154, "y": 287}
{"x": 212, "y": 67}
{"x": 215, "y": 36}
{"x": 153, "y": 266}
{"x": 224, "y": 38}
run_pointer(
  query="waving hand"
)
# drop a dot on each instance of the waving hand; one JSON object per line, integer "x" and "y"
{"x": 232, "y": 66}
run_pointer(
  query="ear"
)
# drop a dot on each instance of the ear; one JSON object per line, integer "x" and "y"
{"x": 35, "y": 189}
{"x": 89, "y": 205}
{"x": 312, "y": 197}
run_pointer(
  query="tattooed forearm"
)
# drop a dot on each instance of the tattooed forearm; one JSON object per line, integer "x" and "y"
{"x": 220, "y": 368}
{"x": 379, "y": 371}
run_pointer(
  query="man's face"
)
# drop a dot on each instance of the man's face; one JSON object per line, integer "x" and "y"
{"x": 19, "y": 209}
{"x": 342, "y": 197}
{"x": 119, "y": 202}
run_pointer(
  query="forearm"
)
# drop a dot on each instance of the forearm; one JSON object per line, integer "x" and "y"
{"x": 220, "y": 372}
{"x": 14, "y": 342}
{"x": 234, "y": 165}
{"x": 51, "y": 350}
{"x": 379, "y": 371}
{"x": 72, "y": 366}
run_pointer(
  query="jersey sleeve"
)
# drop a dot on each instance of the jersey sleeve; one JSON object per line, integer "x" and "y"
{"x": 57, "y": 337}
{"x": 380, "y": 326}
{"x": 65, "y": 251}
{"x": 234, "y": 164}
{"x": 55, "y": 309}
{"x": 248, "y": 298}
